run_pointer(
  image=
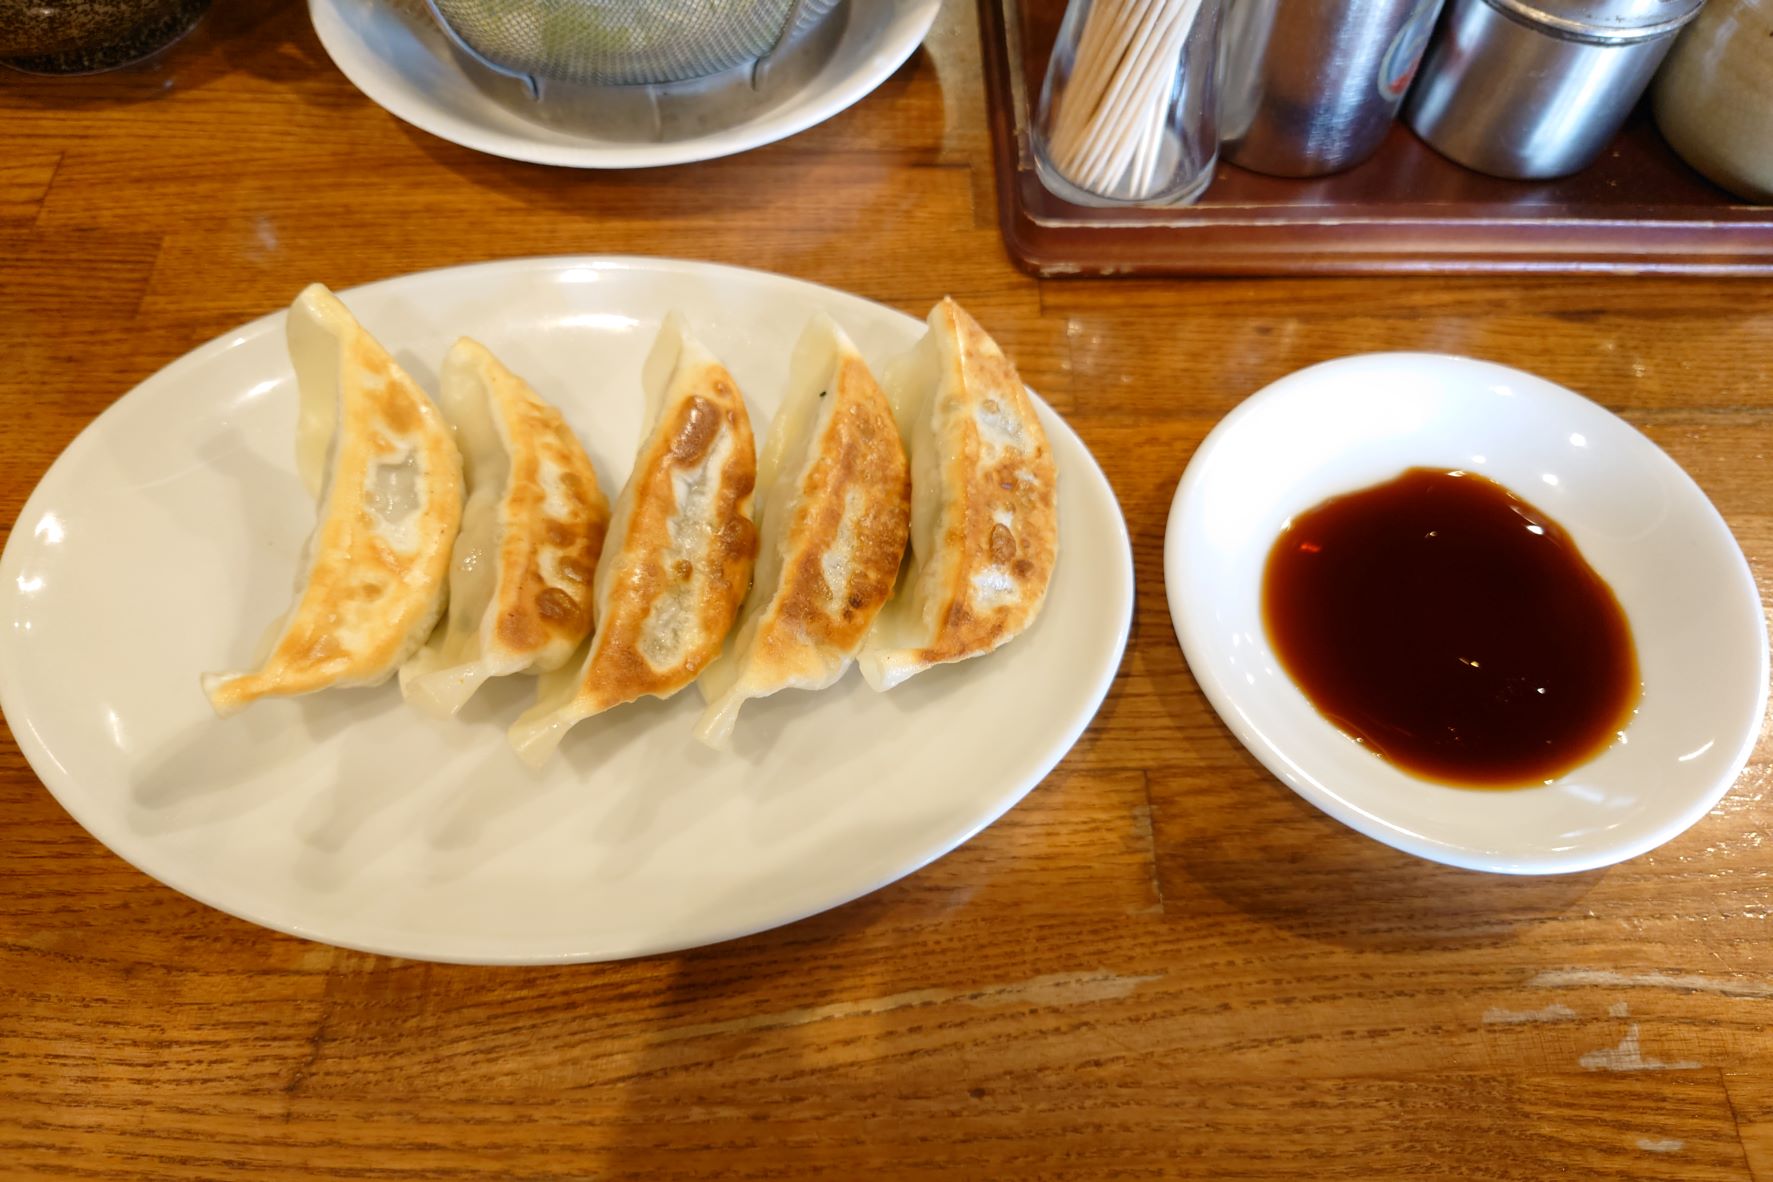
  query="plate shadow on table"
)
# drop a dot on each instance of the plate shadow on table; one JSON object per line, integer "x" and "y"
{"x": 765, "y": 1000}
{"x": 281, "y": 47}
{"x": 1152, "y": 635}
{"x": 697, "y": 190}
{"x": 706, "y": 980}
{"x": 715, "y": 188}
{"x": 1249, "y": 841}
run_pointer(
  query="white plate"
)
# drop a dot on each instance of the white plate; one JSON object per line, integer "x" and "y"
{"x": 1639, "y": 520}
{"x": 166, "y": 537}
{"x": 405, "y": 64}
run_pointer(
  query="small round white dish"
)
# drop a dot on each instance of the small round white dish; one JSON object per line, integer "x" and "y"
{"x": 1640, "y": 521}
{"x": 404, "y": 63}
{"x": 167, "y": 535}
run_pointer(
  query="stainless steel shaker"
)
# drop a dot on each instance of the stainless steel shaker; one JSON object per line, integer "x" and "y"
{"x": 1311, "y": 86}
{"x": 1538, "y": 90}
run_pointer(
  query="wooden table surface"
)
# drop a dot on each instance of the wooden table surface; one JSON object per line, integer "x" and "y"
{"x": 1162, "y": 963}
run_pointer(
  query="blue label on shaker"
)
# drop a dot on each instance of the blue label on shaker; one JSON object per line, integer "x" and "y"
{"x": 1398, "y": 67}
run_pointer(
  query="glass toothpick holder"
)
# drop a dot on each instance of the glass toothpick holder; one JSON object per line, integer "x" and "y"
{"x": 1127, "y": 113}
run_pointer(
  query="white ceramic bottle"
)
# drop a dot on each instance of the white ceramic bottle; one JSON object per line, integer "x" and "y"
{"x": 1714, "y": 96}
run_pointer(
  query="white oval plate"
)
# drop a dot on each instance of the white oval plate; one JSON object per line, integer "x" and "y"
{"x": 405, "y": 64}
{"x": 165, "y": 538}
{"x": 1640, "y": 521}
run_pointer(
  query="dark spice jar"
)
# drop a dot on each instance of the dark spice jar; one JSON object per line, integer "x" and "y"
{"x": 87, "y": 36}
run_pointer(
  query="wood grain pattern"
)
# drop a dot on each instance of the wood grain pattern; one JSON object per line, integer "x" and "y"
{"x": 1161, "y": 964}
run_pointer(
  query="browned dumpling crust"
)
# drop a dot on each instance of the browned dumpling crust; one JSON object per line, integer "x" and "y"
{"x": 380, "y": 457}
{"x": 671, "y": 601}
{"x": 523, "y": 573}
{"x": 835, "y": 508}
{"x": 677, "y": 560}
{"x": 985, "y": 515}
{"x": 555, "y": 517}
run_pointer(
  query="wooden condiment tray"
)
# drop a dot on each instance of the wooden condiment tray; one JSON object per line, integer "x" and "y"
{"x": 1408, "y": 209}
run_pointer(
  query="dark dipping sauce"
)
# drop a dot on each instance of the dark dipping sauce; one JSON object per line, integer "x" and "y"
{"x": 1453, "y": 628}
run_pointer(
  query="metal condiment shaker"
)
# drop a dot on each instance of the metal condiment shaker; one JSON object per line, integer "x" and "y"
{"x": 1538, "y": 90}
{"x": 1311, "y": 86}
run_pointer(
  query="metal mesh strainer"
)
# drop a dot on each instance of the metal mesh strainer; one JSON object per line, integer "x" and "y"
{"x": 622, "y": 42}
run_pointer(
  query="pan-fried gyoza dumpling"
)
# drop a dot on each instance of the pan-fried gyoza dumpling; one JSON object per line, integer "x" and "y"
{"x": 984, "y": 504}
{"x": 834, "y": 507}
{"x": 377, "y": 455}
{"x": 521, "y": 578}
{"x": 678, "y": 557}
